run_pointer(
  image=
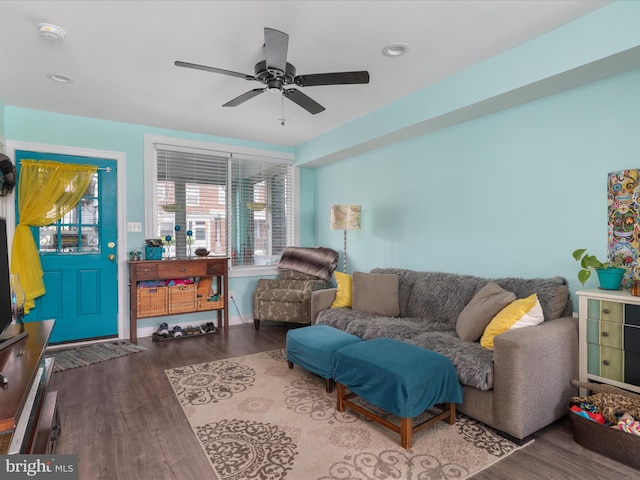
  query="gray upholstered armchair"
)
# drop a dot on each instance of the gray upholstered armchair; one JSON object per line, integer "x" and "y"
{"x": 288, "y": 298}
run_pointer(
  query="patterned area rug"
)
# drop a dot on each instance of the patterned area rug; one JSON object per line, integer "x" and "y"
{"x": 95, "y": 353}
{"x": 257, "y": 419}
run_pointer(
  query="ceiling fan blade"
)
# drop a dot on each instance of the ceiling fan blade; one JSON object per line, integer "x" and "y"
{"x": 195, "y": 66}
{"x": 306, "y": 102}
{"x": 276, "y": 44}
{"x": 244, "y": 97}
{"x": 339, "y": 78}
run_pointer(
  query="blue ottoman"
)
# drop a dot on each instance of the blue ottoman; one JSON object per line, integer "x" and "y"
{"x": 313, "y": 348}
{"x": 400, "y": 378}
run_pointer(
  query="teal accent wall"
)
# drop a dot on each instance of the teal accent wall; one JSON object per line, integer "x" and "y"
{"x": 500, "y": 170}
{"x": 307, "y": 206}
{"x": 513, "y": 193}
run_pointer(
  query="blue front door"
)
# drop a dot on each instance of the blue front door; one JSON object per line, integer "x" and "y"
{"x": 78, "y": 255}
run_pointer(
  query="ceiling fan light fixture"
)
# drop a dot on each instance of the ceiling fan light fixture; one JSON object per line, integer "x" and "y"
{"x": 274, "y": 86}
{"x": 51, "y": 32}
{"x": 396, "y": 49}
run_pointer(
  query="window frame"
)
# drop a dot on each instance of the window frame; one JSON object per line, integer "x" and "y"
{"x": 150, "y": 181}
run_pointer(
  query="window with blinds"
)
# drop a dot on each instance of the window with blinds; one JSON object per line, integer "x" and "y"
{"x": 236, "y": 205}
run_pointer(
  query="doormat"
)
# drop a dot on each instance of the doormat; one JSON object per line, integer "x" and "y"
{"x": 90, "y": 354}
{"x": 256, "y": 418}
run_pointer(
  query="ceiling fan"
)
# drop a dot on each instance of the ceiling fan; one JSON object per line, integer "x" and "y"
{"x": 276, "y": 73}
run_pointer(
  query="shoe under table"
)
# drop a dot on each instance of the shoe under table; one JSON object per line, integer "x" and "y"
{"x": 400, "y": 378}
{"x": 313, "y": 349}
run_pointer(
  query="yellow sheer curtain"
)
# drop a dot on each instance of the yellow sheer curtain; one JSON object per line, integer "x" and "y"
{"x": 47, "y": 191}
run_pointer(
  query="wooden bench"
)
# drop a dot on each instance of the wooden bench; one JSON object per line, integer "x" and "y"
{"x": 400, "y": 378}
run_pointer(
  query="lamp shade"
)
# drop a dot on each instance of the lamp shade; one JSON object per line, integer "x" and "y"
{"x": 345, "y": 217}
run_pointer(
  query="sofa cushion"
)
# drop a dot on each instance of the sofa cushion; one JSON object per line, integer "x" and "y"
{"x": 438, "y": 296}
{"x": 293, "y": 275}
{"x": 375, "y": 293}
{"x": 484, "y": 305}
{"x": 343, "y": 296}
{"x": 553, "y": 292}
{"x": 282, "y": 295}
{"x": 524, "y": 312}
{"x": 559, "y": 302}
{"x": 407, "y": 278}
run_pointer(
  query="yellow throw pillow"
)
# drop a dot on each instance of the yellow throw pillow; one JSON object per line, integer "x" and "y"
{"x": 524, "y": 312}
{"x": 343, "y": 295}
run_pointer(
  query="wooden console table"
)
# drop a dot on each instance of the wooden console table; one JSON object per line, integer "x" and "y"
{"x": 149, "y": 270}
{"x": 29, "y": 420}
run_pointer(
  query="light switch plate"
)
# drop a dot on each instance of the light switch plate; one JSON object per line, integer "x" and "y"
{"x": 134, "y": 227}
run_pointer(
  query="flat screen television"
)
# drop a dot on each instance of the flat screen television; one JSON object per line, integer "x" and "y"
{"x": 9, "y": 334}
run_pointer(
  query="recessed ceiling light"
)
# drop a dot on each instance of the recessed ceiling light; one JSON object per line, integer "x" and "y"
{"x": 59, "y": 77}
{"x": 396, "y": 49}
{"x": 51, "y": 31}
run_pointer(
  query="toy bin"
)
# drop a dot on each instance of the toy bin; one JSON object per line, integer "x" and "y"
{"x": 608, "y": 441}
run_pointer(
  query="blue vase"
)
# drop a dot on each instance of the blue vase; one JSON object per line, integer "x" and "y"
{"x": 610, "y": 278}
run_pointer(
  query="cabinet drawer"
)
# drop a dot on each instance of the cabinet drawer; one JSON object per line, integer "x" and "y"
{"x": 632, "y": 339}
{"x": 632, "y": 368}
{"x": 593, "y": 358}
{"x": 611, "y": 335}
{"x": 178, "y": 269}
{"x": 611, "y": 363}
{"x": 146, "y": 271}
{"x": 632, "y": 314}
{"x": 215, "y": 268}
{"x": 48, "y": 428}
{"x": 611, "y": 311}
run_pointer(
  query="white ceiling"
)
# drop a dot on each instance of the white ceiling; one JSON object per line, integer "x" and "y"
{"x": 121, "y": 53}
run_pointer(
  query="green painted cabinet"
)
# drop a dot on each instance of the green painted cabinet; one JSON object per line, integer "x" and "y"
{"x": 610, "y": 338}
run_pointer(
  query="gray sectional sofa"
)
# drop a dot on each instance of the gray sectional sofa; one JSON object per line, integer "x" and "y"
{"x": 519, "y": 386}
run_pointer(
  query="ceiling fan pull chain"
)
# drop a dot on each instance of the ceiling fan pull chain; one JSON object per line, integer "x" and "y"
{"x": 282, "y": 119}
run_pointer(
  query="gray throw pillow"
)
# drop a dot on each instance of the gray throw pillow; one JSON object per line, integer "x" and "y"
{"x": 376, "y": 293}
{"x": 484, "y": 305}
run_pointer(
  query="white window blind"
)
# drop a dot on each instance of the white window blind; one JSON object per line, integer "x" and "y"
{"x": 236, "y": 205}
{"x": 261, "y": 197}
{"x": 190, "y": 187}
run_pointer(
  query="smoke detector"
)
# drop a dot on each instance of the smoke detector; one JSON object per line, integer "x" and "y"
{"x": 51, "y": 32}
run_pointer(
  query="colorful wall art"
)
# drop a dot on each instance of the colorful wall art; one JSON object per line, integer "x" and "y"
{"x": 623, "y": 198}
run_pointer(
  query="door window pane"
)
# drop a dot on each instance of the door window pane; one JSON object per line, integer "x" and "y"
{"x": 78, "y": 231}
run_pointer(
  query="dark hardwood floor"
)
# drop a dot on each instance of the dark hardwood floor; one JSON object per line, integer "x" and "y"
{"x": 124, "y": 422}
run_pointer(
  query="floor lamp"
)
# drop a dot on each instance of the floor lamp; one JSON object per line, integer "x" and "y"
{"x": 345, "y": 217}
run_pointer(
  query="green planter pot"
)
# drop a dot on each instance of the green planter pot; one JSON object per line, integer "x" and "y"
{"x": 610, "y": 278}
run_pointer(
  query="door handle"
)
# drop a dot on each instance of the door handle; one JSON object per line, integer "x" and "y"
{"x": 111, "y": 257}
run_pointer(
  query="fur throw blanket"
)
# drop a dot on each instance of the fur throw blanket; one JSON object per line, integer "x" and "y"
{"x": 317, "y": 261}
{"x": 473, "y": 363}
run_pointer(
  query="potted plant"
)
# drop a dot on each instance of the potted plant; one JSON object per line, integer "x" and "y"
{"x": 609, "y": 274}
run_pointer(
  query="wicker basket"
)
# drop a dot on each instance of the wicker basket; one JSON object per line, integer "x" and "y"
{"x": 152, "y": 302}
{"x": 182, "y": 298}
{"x": 206, "y": 303}
{"x": 610, "y": 442}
